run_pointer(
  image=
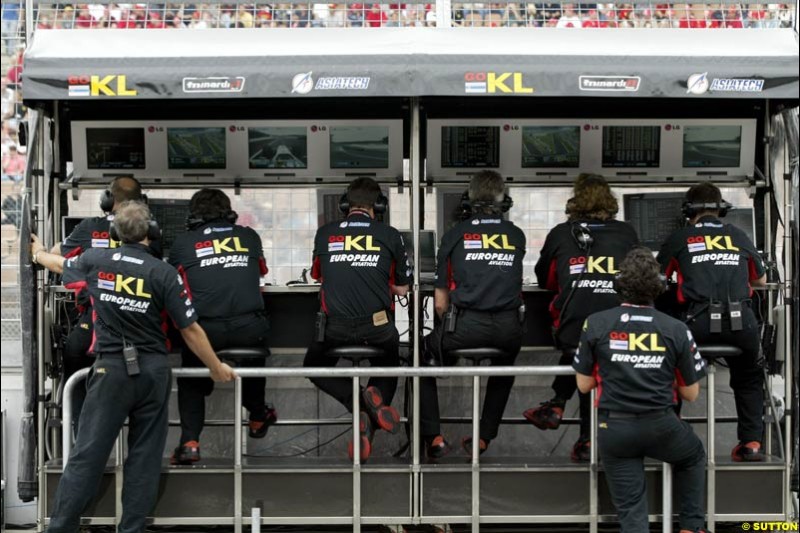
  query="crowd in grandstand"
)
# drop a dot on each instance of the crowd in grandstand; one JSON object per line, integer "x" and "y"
{"x": 302, "y": 15}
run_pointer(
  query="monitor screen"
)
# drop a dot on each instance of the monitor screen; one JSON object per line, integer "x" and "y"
{"x": 359, "y": 146}
{"x": 115, "y": 148}
{"x": 654, "y": 216}
{"x": 551, "y": 146}
{"x": 631, "y": 146}
{"x": 278, "y": 147}
{"x": 742, "y": 218}
{"x": 427, "y": 246}
{"x": 171, "y": 216}
{"x": 470, "y": 146}
{"x": 712, "y": 146}
{"x": 196, "y": 148}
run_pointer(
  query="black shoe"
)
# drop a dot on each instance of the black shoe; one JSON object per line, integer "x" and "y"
{"x": 382, "y": 416}
{"x": 436, "y": 447}
{"x": 582, "y": 451}
{"x": 466, "y": 443}
{"x": 547, "y": 416}
{"x": 259, "y": 428}
{"x": 748, "y": 452}
{"x": 186, "y": 454}
{"x": 366, "y": 434}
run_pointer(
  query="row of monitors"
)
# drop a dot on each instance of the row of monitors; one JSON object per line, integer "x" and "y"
{"x": 456, "y": 148}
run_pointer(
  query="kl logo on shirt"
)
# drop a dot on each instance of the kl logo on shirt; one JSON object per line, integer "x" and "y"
{"x": 592, "y": 265}
{"x": 102, "y": 239}
{"x": 219, "y": 246}
{"x": 485, "y": 241}
{"x": 646, "y": 342}
{"x": 346, "y": 243}
{"x": 111, "y": 281}
{"x": 702, "y": 243}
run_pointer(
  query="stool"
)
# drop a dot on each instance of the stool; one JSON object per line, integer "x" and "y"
{"x": 712, "y": 352}
{"x": 477, "y": 355}
{"x": 355, "y": 353}
{"x": 239, "y": 355}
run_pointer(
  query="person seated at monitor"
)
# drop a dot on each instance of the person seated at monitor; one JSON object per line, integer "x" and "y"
{"x": 362, "y": 264}
{"x": 221, "y": 264}
{"x": 479, "y": 284}
{"x": 578, "y": 261}
{"x": 93, "y": 233}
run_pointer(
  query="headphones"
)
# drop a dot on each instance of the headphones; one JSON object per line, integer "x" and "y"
{"x": 380, "y": 204}
{"x": 194, "y": 222}
{"x": 153, "y": 231}
{"x": 582, "y": 236}
{"x": 107, "y": 199}
{"x": 691, "y": 210}
{"x": 468, "y": 206}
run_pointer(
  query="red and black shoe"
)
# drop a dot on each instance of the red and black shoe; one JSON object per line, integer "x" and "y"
{"x": 582, "y": 451}
{"x": 466, "y": 443}
{"x": 186, "y": 454}
{"x": 366, "y": 434}
{"x": 436, "y": 447}
{"x": 382, "y": 416}
{"x": 748, "y": 452}
{"x": 258, "y": 428}
{"x": 547, "y": 416}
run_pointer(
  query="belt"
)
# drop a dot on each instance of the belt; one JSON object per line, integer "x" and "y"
{"x": 627, "y": 414}
{"x": 118, "y": 355}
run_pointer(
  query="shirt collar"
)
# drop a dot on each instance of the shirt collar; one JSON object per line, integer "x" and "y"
{"x": 359, "y": 212}
{"x": 626, "y": 304}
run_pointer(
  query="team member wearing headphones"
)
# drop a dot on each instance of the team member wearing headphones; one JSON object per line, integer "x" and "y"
{"x": 92, "y": 233}
{"x": 362, "y": 264}
{"x": 131, "y": 378}
{"x": 716, "y": 266}
{"x": 644, "y": 360}
{"x": 478, "y": 295}
{"x": 578, "y": 261}
{"x": 221, "y": 264}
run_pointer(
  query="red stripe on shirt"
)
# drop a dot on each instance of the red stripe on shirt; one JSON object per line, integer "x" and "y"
{"x": 73, "y": 253}
{"x": 262, "y": 266}
{"x": 674, "y": 266}
{"x": 552, "y": 277}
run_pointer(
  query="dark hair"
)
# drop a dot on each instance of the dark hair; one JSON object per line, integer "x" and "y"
{"x": 487, "y": 188}
{"x": 363, "y": 192}
{"x": 639, "y": 279}
{"x": 126, "y": 189}
{"x": 210, "y": 204}
{"x": 592, "y": 199}
{"x": 705, "y": 193}
{"x": 132, "y": 221}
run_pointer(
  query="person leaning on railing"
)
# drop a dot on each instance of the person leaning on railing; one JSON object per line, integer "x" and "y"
{"x": 131, "y": 377}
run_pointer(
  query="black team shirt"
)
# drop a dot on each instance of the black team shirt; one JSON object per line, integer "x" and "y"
{"x": 563, "y": 264}
{"x": 480, "y": 262}
{"x": 358, "y": 260}
{"x": 636, "y": 354}
{"x": 94, "y": 233}
{"x": 221, "y": 264}
{"x": 132, "y": 293}
{"x": 711, "y": 260}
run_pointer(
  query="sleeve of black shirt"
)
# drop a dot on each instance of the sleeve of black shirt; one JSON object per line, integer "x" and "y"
{"x": 667, "y": 253}
{"x": 78, "y": 241}
{"x": 584, "y": 360}
{"x": 76, "y": 270}
{"x": 689, "y": 365}
{"x": 176, "y": 299}
{"x": 755, "y": 264}
{"x": 442, "y": 280}
{"x": 402, "y": 266}
{"x": 316, "y": 267}
{"x": 545, "y": 269}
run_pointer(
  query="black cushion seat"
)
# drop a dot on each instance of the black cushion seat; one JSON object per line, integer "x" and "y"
{"x": 716, "y": 351}
{"x": 476, "y": 355}
{"x": 355, "y": 353}
{"x": 243, "y": 354}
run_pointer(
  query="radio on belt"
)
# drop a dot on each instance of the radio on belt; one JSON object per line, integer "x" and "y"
{"x": 131, "y": 356}
{"x": 715, "y": 310}
{"x": 735, "y": 310}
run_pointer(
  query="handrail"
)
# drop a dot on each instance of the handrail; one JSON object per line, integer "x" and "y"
{"x": 303, "y": 372}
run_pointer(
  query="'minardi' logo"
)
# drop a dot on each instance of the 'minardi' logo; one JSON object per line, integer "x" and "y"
{"x": 609, "y": 83}
{"x": 221, "y": 84}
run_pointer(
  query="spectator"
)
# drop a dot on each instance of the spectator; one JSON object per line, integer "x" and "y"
{"x": 14, "y": 73}
{"x": 375, "y": 17}
{"x": 13, "y": 165}
{"x": 569, "y": 18}
{"x": 10, "y": 24}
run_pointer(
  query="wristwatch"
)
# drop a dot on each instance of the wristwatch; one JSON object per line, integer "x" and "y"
{"x": 35, "y": 257}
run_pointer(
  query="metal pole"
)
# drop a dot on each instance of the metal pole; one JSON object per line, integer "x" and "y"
{"x": 788, "y": 215}
{"x": 666, "y": 498}
{"x": 356, "y": 457}
{"x": 476, "y": 447}
{"x": 414, "y": 169}
{"x": 593, "y": 467}
{"x": 711, "y": 446}
{"x": 66, "y": 416}
{"x": 768, "y": 246}
{"x": 443, "y": 14}
{"x": 237, "y": 454}
{"x": 36, "y": 147}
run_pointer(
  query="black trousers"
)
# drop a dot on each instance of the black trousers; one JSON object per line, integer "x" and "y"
{"x": 244, "y": 331}
{"x": 349, "y": 332}
{"x": 746, "y": 373}
{"x": 623, "y": 444}
{"x": 565, "y": 387}
{"x": 76, "y": 357}
{"x": 474, "y": 329}
{"x": 112, "y": 397}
